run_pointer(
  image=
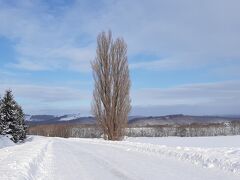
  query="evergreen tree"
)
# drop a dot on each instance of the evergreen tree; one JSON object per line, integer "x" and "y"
{"x": 7, "y": 112}
{"x": 1, "y": 122}
{"x": 20, "y": 131}
{"x": 12, "y": 118}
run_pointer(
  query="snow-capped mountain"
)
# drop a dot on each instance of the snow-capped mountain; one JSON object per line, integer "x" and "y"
{"x": 38, "y": 118}
{"x": 51, "y": 119}
{"x": 70, "y": 117}
{"x": 179, "y": 119}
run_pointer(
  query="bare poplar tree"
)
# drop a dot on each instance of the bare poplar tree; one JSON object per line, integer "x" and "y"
{"x": 111, "y": 101}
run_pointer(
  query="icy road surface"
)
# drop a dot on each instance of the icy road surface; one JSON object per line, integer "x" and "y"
{"x": 136, "y": 158}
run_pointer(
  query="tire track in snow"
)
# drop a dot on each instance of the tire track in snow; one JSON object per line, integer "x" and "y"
{"x": 36, "y": 167}
{"x": 44, "y": 163}
{"x": 106, "y": 164}
{"x": 21, "y": 162}
{"x": 222, "y": 158}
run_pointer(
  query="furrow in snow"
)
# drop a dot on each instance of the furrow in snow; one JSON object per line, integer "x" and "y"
{"x": 40, "y": 163}
{"x": 93, "y": 157}
{"x": 223, "y": 158}
{"x": 22, "y": 161}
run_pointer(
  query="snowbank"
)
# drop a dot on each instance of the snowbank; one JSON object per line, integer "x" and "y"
{"x": 5, "y": 141}
{"x": 22, "y": 161}
{"x": 203, "y": 142}
{"x": 225, "y": 158}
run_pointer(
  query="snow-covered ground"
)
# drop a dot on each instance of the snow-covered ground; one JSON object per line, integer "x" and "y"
{"x": 206, "y": 142}
{"x": 208, "y": 158}
{"x": 5, "y": 142}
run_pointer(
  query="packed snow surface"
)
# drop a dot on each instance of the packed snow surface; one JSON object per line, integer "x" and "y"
{"x": 5, "y": 142}
{"x": 208, "y": 158}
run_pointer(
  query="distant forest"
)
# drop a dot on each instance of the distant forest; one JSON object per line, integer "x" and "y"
{"x": 66, "y": 129}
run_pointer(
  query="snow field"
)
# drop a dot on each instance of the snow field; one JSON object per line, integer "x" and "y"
{"x": 171, "y": 158}
{"x": 223, "y": 158}
{"x": 18, "y": 165}
{"x": 5, "y": 142}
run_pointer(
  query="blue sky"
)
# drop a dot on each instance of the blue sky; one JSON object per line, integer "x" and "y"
{"x": 183, "y": 55}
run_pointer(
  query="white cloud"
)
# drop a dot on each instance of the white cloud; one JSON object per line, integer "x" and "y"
{"x": 206, "y": 98}
{"x": 183, "y": 61}
{"x": 37, "y": 98}
{"x": 64, "y": 36}
{"x": 199, "y": 109}
{"x": 42, "y": 40}
{"x": 213, "y": 98}
{"x": 48, "y": 93}
{"x": 188, "y": 34}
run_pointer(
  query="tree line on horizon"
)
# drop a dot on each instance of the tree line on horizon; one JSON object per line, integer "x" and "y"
{"x": 67, "y": 130}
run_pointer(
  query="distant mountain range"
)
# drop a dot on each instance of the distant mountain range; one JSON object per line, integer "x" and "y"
{"x": 134, "y": 121}
{"x": 180, "y": 119}
{"x": 51, "y": 119}
{"x": 40, "y": 118}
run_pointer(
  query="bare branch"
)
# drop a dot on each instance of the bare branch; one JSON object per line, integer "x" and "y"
{"x": 111, "y": 100}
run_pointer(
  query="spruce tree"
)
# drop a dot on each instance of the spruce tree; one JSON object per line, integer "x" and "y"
{"x": 1, "y": 121}
{"x": 21, "y": 129}
{"x": 12, "y": 118}
{"x": 7, "y": 112}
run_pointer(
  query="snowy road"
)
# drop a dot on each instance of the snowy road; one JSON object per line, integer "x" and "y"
{"x": 70, "y": 159}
